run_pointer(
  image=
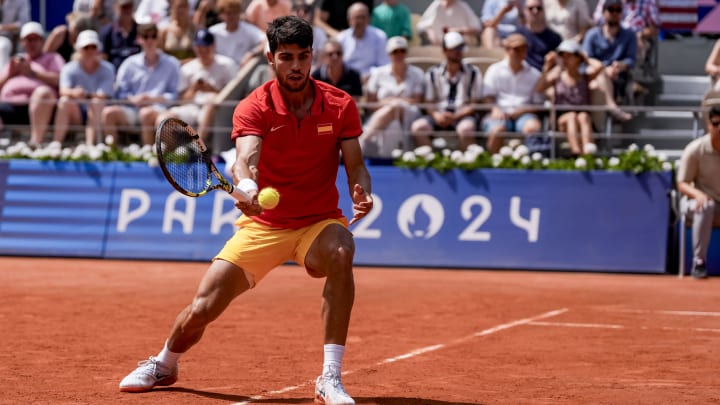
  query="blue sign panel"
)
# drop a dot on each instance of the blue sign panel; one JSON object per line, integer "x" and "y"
{"x": 54, "y": 208}
{"x": 511, "y": 219}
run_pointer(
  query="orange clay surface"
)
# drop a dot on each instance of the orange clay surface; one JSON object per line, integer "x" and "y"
{"x": 72, "y": 329}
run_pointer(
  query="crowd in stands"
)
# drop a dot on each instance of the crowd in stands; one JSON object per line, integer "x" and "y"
{"x": 120, "y": 64}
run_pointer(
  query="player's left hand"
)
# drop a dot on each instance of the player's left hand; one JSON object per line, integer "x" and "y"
{"x": 362, "y": 203}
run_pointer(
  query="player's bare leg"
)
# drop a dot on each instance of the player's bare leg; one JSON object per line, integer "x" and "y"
{"x": 332, "y": 254}
{"x": 222, "y": 282}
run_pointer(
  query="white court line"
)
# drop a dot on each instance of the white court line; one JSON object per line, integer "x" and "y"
{"x": 669, "y": 312}
{"x": 611, "y": 326}
{"x": 417, "y": 352}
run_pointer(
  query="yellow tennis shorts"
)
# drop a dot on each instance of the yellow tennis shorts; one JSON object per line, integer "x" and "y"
{"x": 258, "y": 248}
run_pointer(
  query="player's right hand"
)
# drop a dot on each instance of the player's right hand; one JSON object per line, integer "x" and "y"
{"x": 251, "y": 208}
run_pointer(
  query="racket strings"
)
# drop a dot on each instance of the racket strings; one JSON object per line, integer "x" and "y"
{"x": 185, "y": 159}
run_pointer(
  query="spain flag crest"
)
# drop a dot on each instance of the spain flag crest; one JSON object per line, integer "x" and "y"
{"x": 325, "y": 129}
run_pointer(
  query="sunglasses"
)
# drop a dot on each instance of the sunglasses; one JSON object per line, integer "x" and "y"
{"x": 399, "y": 51}
{"x": 715, "y": 123}
{"x": 614, "y": 9}
{"x": 535, "y": 8}
{"x": 334, "y": 53}
{"x": 90, "y": 47}
{"x": 149, "y": 36}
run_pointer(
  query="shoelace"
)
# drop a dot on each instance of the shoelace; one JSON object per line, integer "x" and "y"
{"x": 149, "y": 366}
{"x": 334, "y": 379}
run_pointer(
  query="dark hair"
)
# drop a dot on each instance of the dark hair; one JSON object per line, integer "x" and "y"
{"x": 289, "y": 30}
{"x": 147, "y": 29}
{"x": 714, "y": 111}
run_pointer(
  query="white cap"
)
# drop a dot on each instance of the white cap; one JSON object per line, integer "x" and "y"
{"x": 85, "y": 38}
{"x": 30, "y": 28}
{"x": 395, "y": 43}
{"x": 453, "y": 39}
{"x": 569, "y": 46}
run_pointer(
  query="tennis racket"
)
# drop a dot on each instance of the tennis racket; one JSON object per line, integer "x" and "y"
{"x": 186, "y": 163}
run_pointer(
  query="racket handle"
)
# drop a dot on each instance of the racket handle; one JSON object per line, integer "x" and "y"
{"x": 239, "y": 195}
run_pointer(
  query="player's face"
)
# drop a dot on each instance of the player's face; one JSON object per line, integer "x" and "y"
{"x": 292, "y": 66}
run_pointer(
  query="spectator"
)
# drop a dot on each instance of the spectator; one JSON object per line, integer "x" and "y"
{"x": 616, "y": 48}
{"x": 100, "y": 10}
{"x": 237, "y": 39}
{"x": 119, "y": 38}
{"x": 148, "y": 81}
{"x": 393, "y": 18}
{"x": 151, "y": 11}
{"x": 332, "y": 15}
{"x": 206, "y": 14}
{"x": 28, "y": 84}
{"x": 176, "y": 37}
{"x": 201, "y": 79}
{"x": 85, "y": 85}
{"x": 541, "y": 39}
{"x": 442, "y": 16}
{"x": 62, "y": 38}
{"x": 510, "y": 85}
{"x": 712, "y": 66}
{"x": 261, "y": 12}
{"x": 334, "y": 71}
{"x": 304, "y": 9}
{"x": 363, "y": 45}
{"x": 571, "y": 87}
{"x": 13, "y": 15}
{"x": 698, "y": 180}
{"x": 569, "y": 18}
{"x": 397, "y": 87}
{"x": 500, "y": 18}
{"x": 453, "y": 86}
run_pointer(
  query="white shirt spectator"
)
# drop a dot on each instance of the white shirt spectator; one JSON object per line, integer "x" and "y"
{"x": 383, "y": 83}
{"x": 437, "y": 18}
{"x": 567, "y": 21}
{"x": 451, "y": 93}
{"x": 363, "y": 54}
{"x": 236, "y": 44}
{"x": 217, "y": 75}
{"x": 151, "y": 11}
{"x": 509, "y": 89}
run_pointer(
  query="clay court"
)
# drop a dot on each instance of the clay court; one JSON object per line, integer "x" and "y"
{"x": 73, "y": 328}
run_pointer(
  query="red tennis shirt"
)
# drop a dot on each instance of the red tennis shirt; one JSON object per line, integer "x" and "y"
{"x": 300, "y": 158}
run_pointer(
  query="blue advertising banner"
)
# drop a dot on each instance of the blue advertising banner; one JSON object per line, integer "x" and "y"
{"x": 505, "y": 219}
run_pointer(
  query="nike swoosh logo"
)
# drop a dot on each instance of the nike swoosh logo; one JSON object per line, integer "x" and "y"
{"x": 273, "y": 129}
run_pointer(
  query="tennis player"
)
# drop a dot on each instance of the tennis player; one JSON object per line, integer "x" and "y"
{"x": 289, "y": 134}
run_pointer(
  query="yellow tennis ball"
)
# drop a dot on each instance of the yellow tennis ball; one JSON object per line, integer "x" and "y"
{"x": 268, "y": 198}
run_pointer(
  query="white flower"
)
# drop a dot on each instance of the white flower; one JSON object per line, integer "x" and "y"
{"x": 439, "y": 143}
{"x": 153, "y": 162}
{"x": 667, "y": 166}
{"x": 430, "y": 156}
{"x": 580, "y": 163}
{"x": 396, "y": 153}
{"x": 633, "y": 147}
{"x": 408, "y": 157}
{"x": 4, "y": 142}
{"x": 545, "y": 162}
{"x": 662, "y": 156}
{"x": 590, "y": 148}
{"x": 521, "y": 151}
{"x": 55, "y": 145}
{"x": 514, "y": 143}
{"x": 496, "y": 159}
{"x": 109, "y": 140}
{"x": 423, "y": 150}
{"x": 599, "y": 162}
{"x": 537, "y": 156}
{"x": 652, "y": 153}
{"x": 506, "y": 151}
{"x": 55, "y": 153}
{"x": 95, "y": 154}
{"x": 525, "y": 160}
{"x": 648, "y": 148}
{"x": 2, "y": 153}
{"x": 457, "y": 156}
{"x": 66, "y": 153}
{"x": 469, "y": 156}
{"x": 476, "y": 148}
{"x": 614, "y": 161}
{"x": 446, "y": 152}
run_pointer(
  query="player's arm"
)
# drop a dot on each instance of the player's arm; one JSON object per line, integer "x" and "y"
{"x": 245, "y": 168}
{"x": 358, "y": 176}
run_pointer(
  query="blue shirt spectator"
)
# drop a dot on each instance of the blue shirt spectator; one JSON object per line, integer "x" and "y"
{"x": 622, "y": 48}
{"x": 100, "y": 81}
{"x": 135, "y": 77}
{"x": 540, "y": 44}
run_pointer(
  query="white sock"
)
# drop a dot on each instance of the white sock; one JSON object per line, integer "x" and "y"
{"x": 333, "y": 357}
{"x": 168, "y": 358}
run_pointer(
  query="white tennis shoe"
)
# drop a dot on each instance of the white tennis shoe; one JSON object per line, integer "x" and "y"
{"x": 330, "y": 391}
{"x": 148, "y": 374}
